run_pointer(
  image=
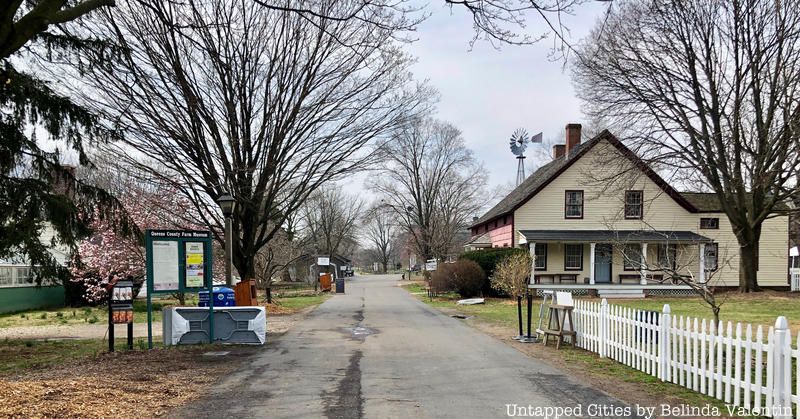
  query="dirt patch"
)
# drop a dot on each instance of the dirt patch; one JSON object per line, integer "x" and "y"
{"x": 121, "y": 384}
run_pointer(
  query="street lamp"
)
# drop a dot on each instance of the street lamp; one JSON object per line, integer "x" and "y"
{"x": 227, "y": 203}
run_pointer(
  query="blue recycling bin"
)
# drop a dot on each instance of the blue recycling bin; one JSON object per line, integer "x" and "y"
{"x": 223, "y": 297}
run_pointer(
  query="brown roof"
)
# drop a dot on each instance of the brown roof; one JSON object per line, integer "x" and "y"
{"x": 709, "y": 202}
{"x": 545, "y": 174}
{"x": 703, "y": 201}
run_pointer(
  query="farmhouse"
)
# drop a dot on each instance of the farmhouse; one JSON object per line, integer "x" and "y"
{"x": 599, "y": 219}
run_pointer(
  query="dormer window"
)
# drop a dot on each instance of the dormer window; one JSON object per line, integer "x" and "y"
{"x": 573, "y": 204}
{"x": 634, "y": 205}
{"x": 709, "y": 223}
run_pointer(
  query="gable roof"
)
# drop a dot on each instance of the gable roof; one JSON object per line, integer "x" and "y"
{"x": 703, "y": 201}
{"x": 547, "y": 173}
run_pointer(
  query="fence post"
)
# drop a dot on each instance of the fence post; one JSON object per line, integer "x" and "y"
{"x": 603, "y": 328}
{"x": 664, "y": 343}
{"x": 781, "y": 371}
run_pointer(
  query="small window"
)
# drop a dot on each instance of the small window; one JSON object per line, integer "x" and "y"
{"x": 632, "y": 260}
{"x": 573, "y": 205}
{"x": 634, "y": 205}
{"x": 712, "y": 256}
{"x": 573, "y": 257}
{"x": 709, "y": 223}
{"x": 668, "y": 256}
{"x": 541, "y": 256}
{"x": 6, "y": 277}
{"x": 24, "y": 276}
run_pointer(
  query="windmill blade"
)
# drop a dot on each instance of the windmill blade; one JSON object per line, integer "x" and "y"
{"x": 519, "y": 141}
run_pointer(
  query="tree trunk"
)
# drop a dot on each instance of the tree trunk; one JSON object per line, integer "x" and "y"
{"x": 748, "y": 268}
{"x": 385, "y": 266}
{"x": 749, "y": 239}
{"x": 269, "y": 295}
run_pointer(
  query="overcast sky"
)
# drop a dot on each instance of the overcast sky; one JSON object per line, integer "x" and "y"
{"x": 488, "y": 93}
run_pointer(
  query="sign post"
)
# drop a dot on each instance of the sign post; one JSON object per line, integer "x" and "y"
{"x": 178, "y": 261}
{"x": 120, "y": 311}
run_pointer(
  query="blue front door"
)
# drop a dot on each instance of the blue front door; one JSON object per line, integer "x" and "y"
{"x": 602, "y": 263}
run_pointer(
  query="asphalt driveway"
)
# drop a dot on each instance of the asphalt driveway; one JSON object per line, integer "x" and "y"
{"x": 376, "y": 352}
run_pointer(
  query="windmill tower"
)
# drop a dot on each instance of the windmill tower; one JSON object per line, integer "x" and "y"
{"x": 519, "y": 142}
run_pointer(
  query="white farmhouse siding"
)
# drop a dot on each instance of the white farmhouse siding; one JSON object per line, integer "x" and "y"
{"x": 603, "y": 210}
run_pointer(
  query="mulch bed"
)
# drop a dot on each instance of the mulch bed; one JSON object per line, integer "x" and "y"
{"x": 127, "y": 384}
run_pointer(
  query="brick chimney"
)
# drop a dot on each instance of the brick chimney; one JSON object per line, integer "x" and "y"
{"x": 558, "y": 151}
{"x": 573, "y": 136}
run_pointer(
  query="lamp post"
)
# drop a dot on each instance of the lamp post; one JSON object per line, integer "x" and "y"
{"x": 227, "y": 203}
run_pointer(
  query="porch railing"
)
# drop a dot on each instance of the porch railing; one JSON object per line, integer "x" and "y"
{"x": 795, "y": 277}
{"x": 730, "y": 363}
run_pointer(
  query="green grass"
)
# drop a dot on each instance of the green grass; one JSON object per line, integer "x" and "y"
{"x": 296, "y": 303}
{"x": 762, "y": 308}
{"x": 605, "y": 366}
{"x": 27, "y": 354}
{"x": 415, "y": 287}
{"x": 83, "y": 315}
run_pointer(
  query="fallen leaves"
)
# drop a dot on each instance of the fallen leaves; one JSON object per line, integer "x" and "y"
{"x": 119, "y": 385}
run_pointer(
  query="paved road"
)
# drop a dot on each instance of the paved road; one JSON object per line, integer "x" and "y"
{"x": 376, "y": 352}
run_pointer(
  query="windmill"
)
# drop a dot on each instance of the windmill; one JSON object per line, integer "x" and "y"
{"x": 519, "y": 142}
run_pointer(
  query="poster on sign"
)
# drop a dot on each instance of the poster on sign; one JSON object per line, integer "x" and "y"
{"x": 194, "y": 264}
{"x": 165, "y": 265}
{"x": 323, "y": 261}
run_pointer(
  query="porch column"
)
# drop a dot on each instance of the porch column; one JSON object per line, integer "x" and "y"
{"x": 643, "y": 264}
{"x": 591, "y": 263}
{"x": 701, "y": 275}
{"x": 533, "y": 262}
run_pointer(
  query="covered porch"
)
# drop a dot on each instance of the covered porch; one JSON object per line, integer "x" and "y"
{"x": 599, "y": 259}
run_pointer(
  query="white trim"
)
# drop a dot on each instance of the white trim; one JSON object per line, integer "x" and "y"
{"x": 591, "y": 262}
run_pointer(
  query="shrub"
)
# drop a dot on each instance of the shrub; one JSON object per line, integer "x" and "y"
{"x": 488, "y": 260}
{"x": 440, "y": 279}
{"x": 511, "y": 274}
{"x": 467, "y": 278}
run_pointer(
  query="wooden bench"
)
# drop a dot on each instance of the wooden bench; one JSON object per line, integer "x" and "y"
{"x": 556, "y": 277}
{"x": 636, "y": 278}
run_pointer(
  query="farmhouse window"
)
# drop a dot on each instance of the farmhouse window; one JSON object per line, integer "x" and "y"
{"x": 541, "y": 256}
{"x": 709, "y": 223}
{"x": 634, "y": 205}
{"x": 667, "y": 256}
{"x": 632, "y": 258}
{"x": 573, "y": 257}
{"x": 712, "y": 256}
{"x": 573, "y": 204}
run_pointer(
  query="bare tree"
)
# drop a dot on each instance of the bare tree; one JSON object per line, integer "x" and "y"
{"x": 380, "y": 230}
{"x": 261, "y": 103}
{"x": 710, "y": 92}
{"x": 498, "y": 22}
{"x": 432, "y": 183}
{"x": 330, "y": 220}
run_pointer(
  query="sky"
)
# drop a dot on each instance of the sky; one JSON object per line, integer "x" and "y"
{"x": 488, "y": 93}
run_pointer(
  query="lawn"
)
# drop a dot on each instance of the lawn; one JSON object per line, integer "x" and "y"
{"x": 300, "y": 302}
{"x": 290, "y": 302}
{"x": 83, "y": 315}
{"x": 18, "y": 355}
{"x": 760, "y": 308}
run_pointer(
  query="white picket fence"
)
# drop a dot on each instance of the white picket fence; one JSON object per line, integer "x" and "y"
{"x": 730, "y": 363}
